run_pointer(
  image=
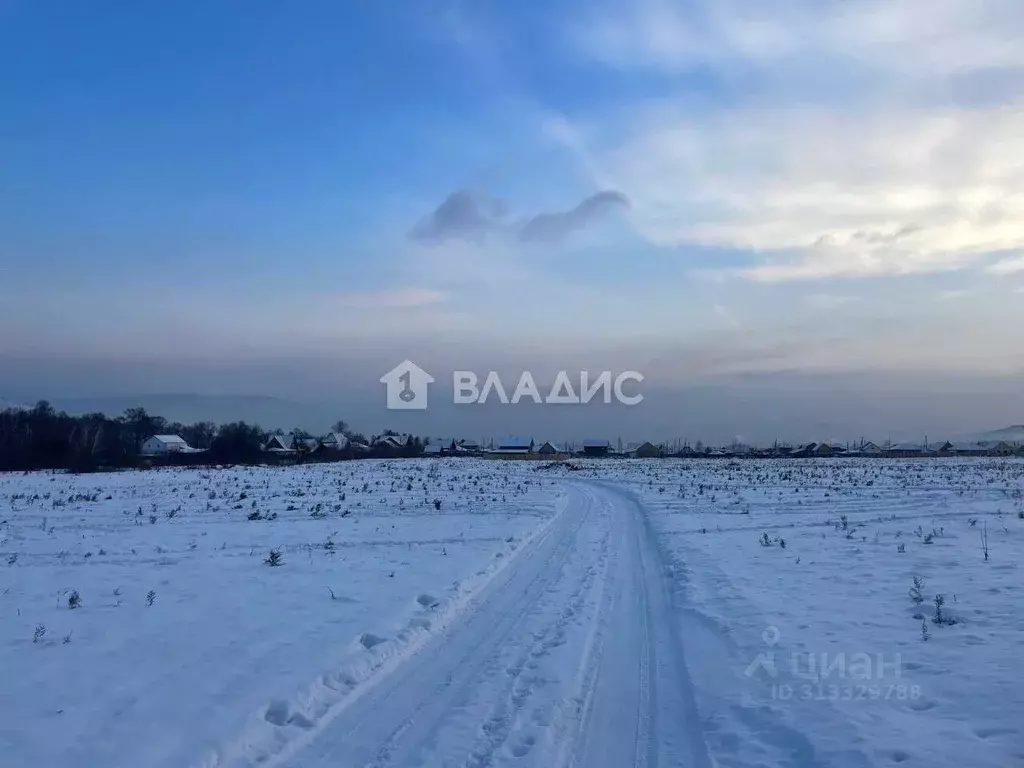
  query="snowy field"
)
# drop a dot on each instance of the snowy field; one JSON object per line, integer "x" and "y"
{"x": 847, "y": 669}
{"x": 473, "y": 613}
{"x": 228, "y": 645}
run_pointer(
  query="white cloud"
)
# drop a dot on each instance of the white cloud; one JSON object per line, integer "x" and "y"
{"x": 1008, "y": 266}
{"x": 845, "y": 156}
{"x": 818, "y": 193}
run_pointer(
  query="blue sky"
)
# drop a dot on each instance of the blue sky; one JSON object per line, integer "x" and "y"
{"x": 798, "y": 186}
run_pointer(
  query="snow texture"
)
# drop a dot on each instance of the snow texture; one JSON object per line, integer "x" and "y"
{"x": 488, "y": 613}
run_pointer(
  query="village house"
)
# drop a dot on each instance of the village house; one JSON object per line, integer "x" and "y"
{"x": 647, "y": 451}
{"x": 999, "y": 448}
{"x": 869, "y": 449}
{"x": 907, "y": 450}
{"x": 826, "y": 449}
{"x": 595, "y": 447}
{"x": 804, "y": 451}
{"x": 548, "y": 448}
{"x": 281, "y": 444}
{"x": 161, "y": 445}
{"x": 335, "y": 441}
{"x": 389, "y": 441}
{"x": 962, "y": 448}
{"x": 514, "y": 445}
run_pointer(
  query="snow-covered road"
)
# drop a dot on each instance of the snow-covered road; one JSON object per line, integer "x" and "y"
{"x": 568, "y": 657}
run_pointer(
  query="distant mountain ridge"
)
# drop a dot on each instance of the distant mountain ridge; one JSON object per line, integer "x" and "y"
{"x": 1013, "y": 433}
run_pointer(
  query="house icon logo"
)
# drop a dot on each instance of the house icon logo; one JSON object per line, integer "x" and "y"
{"x": 407, "y": 386}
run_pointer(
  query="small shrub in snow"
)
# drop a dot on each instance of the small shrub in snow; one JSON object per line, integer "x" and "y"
{"x": 929, "y": 537}
{"x": 66, "y": 640}
{"x": 74, "y": 600}
{"x": 274, "y": 559}
{"x": 924, "y": 630}
{"x": 765, "y": 540}
{"x": 437, "y": 504}
{"x": 12, "y": 559}
{"x": 152, "y": 519}
{"x": 39, "y": 633}
{"x": 254, "y": 516}
{"x": 150, "y": 597}
{"x": 901, "y": 548}
{"x": 917, "y": 590}
{"x": 941, "y": 617}
{"x": 984, "y": 541}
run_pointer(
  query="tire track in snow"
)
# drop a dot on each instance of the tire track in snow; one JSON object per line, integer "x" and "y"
{"x": 400, "y": 712}
{"x": 579, "y": 630}
{"x": 643, "y": 670}
{"x": 501, "y": 725}
{"x": 417, "y": 729}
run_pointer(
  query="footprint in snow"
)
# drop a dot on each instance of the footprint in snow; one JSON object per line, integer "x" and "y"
{"x": 369, "y": 640}
{"x": 279, "y": 713}
{"x": 428, "y": 601}
{"x": 988, "y": 733}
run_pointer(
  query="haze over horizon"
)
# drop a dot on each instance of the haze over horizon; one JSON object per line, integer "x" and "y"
{"x": 802, "y": 220}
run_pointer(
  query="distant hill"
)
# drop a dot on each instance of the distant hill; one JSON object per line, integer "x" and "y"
{"x": 1011, "y": 434}
{"x": 268, "y": 412}
{"x": 5, "y": 404}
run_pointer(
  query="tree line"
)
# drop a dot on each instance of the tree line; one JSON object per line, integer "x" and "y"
{"x": 44, "y": 438}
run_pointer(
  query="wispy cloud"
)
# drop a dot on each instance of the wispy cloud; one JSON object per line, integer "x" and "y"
{"x": 1008, "y": 266}
{"x": 912, "y": 39}
{"x": 398, "y": 298}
